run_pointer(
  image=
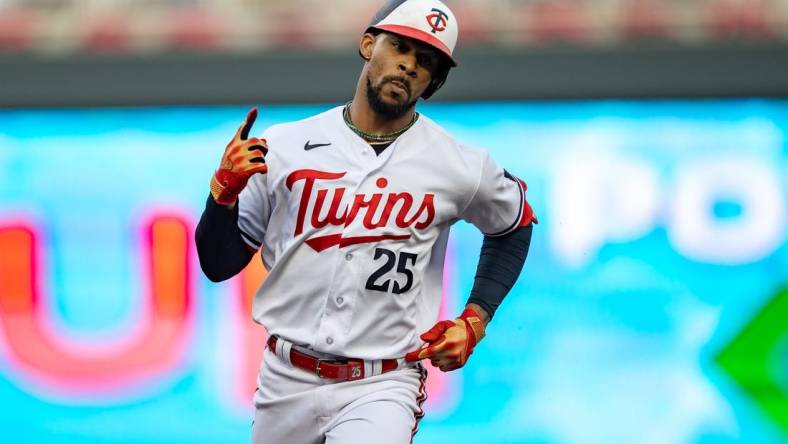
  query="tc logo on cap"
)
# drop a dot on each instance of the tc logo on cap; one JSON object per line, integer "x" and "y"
{"x": 437, "y": 20}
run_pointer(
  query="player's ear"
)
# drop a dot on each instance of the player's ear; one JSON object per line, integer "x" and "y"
{"x": 366, "y": 45}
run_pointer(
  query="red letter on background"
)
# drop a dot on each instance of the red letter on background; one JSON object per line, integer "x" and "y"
{"x": 57, "y": 364}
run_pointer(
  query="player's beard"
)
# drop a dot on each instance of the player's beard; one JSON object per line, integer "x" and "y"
{"x": 386, "y": 110}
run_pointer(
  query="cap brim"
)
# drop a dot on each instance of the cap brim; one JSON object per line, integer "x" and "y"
{"x": 419, "y": 35}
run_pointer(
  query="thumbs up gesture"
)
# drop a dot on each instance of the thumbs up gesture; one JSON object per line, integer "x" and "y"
{"x": 242, "y": 158}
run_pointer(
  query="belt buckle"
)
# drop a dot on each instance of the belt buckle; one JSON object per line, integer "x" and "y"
{"x": 317, "y": 369}
{"x": 351, "y": 370}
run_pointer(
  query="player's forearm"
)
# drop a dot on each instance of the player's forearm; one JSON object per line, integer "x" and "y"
{"x": 500, "y": 263}
{"x": 220, "y": 245}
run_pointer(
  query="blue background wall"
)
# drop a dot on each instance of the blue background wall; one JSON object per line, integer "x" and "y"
{"x": 662, "y": 236}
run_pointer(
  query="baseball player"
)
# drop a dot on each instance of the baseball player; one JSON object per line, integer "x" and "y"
{"x": 352, "y": 210}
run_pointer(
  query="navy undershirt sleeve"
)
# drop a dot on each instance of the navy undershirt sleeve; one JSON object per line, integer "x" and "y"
{"x": 500, "y": 263}
{"x": 220, "y": 245}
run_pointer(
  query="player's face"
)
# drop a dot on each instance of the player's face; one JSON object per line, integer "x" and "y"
{"x": 400, "y": 70}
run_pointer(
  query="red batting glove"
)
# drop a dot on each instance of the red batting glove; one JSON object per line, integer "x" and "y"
{"x": 241, "y": 159}
{"x": 450, "y": 343}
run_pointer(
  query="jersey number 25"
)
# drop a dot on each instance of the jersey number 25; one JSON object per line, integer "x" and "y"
{"x": 402, "y": 267}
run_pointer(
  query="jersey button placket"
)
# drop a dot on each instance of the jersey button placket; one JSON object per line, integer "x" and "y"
{"x": 332, "y": 321}
{"x": 338, "y": 307}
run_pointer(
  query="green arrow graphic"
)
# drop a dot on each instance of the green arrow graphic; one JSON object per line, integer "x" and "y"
{"x": 758, "y": 358}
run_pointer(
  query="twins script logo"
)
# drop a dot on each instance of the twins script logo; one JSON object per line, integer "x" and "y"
{"x": 437, "y": 20}
{"x": 399, "y": 206}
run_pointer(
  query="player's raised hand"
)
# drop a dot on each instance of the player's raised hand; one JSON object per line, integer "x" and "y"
{"x": 242, "y": 158}
{"x": 450, "y": 343}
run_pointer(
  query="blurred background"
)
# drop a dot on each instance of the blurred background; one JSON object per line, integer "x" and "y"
{"x": 652, "y": 134}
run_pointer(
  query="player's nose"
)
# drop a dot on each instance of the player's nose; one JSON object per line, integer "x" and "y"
{"x": 407, "y": 65}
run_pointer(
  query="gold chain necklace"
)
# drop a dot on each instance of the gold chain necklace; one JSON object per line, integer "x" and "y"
{"x": 379, "y": 138}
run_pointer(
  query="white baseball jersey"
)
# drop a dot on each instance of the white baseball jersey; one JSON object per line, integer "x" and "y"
{"x": 354, "y": 242}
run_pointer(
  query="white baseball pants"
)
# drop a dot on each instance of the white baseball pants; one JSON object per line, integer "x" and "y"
{"x": 293, "y": 406}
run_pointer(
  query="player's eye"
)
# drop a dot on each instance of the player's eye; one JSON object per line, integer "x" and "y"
{"x": 426, "y": 61}
{"x": 402, "y": 47}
